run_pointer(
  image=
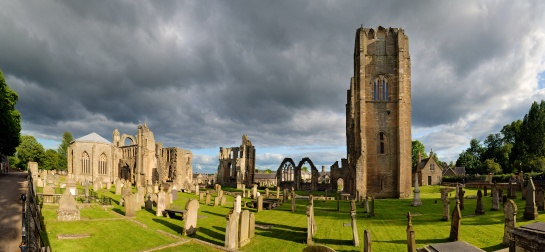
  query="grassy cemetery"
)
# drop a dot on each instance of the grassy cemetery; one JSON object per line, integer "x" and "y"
{"x": 105, "y": 228}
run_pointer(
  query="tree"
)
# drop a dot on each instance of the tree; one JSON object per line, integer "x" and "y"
{"x": 418, "y": 147}
{"x": 10, "y": 119}
{"x": 29, "y": 150}
{"x": 66, "y": 139}
{"x": 50, "y": 160}
{"x": 491, "y": 166}
{"x": 304, "y": 168}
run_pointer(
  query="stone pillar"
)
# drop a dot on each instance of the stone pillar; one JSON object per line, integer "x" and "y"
{"x": 293, "y": 206}
{"x": 461, "y": 198}
{"x": 259, "y": 203}
{"x": 411, "y": 244}
{"x": 367, "y": 241}
{"x": 446, "y": 210}
{"x": 416, "y": 199}
{"x": 355, "y": 235}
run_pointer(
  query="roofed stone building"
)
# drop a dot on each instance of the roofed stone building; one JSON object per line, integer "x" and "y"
{"x": 429, "y": 171}
{"x": 378, "y": 115}
{"x": 138, "y": 159}
{"x": 237, "y": 165}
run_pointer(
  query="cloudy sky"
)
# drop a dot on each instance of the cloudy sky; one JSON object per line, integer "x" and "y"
{"x": 203, "y": 73}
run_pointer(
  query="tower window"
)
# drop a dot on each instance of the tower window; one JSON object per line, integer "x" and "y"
{"x": 381, "y": 143}
{"x": 380, "y": 89}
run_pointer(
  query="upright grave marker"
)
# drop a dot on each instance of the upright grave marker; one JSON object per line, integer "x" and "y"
{"x": 355, "y": 236}
{"x": 456, "y": 221}
{"x": 479, "y": 209}
{"x": 530, "y": 211}
{"x": 190, "y": 218}
{"x": 510, "y": 215}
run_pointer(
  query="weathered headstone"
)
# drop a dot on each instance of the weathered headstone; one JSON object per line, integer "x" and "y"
{"x": 243, "y": 191}
{"x": 372, "y": 207}
{"x": 238, "y": 204}
{"x": 266, "y": 192}
{"x": 197, "y": 189}
{"x": 231, "y": 230}
{"x": 461, "y": 198}
{"x": 223, "y": 201}
{"x": 174, "y": 195}
{"x": 259, "y": 203}
{"x": 355, "y": 236}
{"x": 530, "y": 210}
{"x": 500, "y": 195}
{"x": 367, "y": 204}
{"x": 455, "y": 223}
{"x": 293, "y": 206}
{"x": 446, "y": 209}
{"x": 118, "y": 187}
{"x": 161, "y": 198}
{"x": 108, "y": 185}
{"x": 190, "y": 217}
{"x": 524, "y": 193}
{"x": 479, "y": 209}
{"x": 411, "y": 244}
{"x": 49, "y": 189}
{"x": 40, "y": 182}
{"x": 310, "y": 220}
{"x": 510, "y": 189}
{"x": 278, "y": 192}
{"x": 510, "y": 215}
{"x": 254, "y": 191}
{"x": 485, "y": 191}
{"x": 367, "y": 241}
{"x": 96, "y": 186}
{"x": 216, "y": 201}
{"x": 416, "y": 198}
{"x": 252, "y": 225}
{"x": 244, "y": 228}
{"x": 148, "y": 204}
{"x": 68, "y": 210}
{"x": 207, "y": 201}
{"x": 285, "y": 196}
{"x": 495, "y": 200}
{"x": 539, "y": 199}
{"x": 201, "y": 196}
{"x": 130, "y": 205}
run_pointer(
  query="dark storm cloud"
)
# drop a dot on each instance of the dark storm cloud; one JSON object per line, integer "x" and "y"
{"x": 203, "y": 73}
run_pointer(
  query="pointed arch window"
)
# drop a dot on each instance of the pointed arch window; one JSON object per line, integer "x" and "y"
{"x": 102, "y": 164}
{"x": 380, "y": 89}
{"x": 85, "y": 163}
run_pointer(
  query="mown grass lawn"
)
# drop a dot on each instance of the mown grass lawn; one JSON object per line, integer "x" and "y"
{"x": 110, "y": 231}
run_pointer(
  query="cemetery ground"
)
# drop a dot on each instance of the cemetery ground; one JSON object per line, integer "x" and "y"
{"x": 279, "y": 229}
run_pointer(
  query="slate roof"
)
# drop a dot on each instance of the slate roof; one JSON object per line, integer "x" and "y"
{"x": 93, "y": 138}
{"x": 264, "y": 175}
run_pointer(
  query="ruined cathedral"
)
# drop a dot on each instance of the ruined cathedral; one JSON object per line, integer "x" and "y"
{"x": 378, "y": 115}
{"x": 139, "y": 159}
{"x": 237, "y": 165}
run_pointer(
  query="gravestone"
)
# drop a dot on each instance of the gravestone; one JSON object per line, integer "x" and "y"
{"x": 539, "y": 199}
{"x": 68, "y": 209}
{"x": 259, "y": 203}
{"x": 149, "y": 204}
{"x": 254, "y": 191}
{"x": 86, "y": 191}
{"x": 455, "y": 223}
{"x": 238, "y": 204}
{"x": 411, "y": 244}
{"x": 494, "y": 189}
{"x": 479, "y": 209}
{"x": 207, "y": 201}
{"x": 161, "y": 198}
{"x": 216, "y": 201}
{"x": 485, "y": 191}
{"x": 174, "y": 195}
{"x": 372, "y": 207}
{"x": 108, "y": 185}
{"x": 244, "y": 228}
{"x": 190, "y": 217}
{"x": 130, "y": 205}
{"x": 140, "y": 198}
{"x": 39, "y": 182}
{"x": 495, "y": 200}
{"x": 223, "y": 201}
{"x": 95, "y": 186}
{"x": 197, "y": 189}
{"x": 446, "y": 209}
{"x": 285, "y": 196}
{"x": 504, "y": 199}
{"x": 456, "y": 196}
{"x": 416, "y": 198}
{"x": 500, "y": 195}
{"x": 310, "y": 224}
{"x": 252, "y": 226}
{"x": 510, "y": 215}
{"x": 49, "y": 189}
{"x": 367, "y": 241}
{"x": 338, "y": 202}
{"x": 461, "y": 198}
{"x": 118, "y": 186}
{"x": 367, "y": 204}
{"x": 231, "y": 230}
{"x": 243, "y": 191}
{"x": 530, "y": 210}
{"x": 278, "y": 192}
{"x": 355, "y": 236}
{"x": 168, "y": 198}
{"x": 266, "y": 192}
{"x": 71, "y": 186}
{"x": 293, "y": 202}
{"x": 510, "y": 189}
{"x": 201, "y": 196}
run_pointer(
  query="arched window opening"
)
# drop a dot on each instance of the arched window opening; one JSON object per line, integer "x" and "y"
{"x": 85, "y": 163}
{"x": 381, "y": 143}
{"x": 102, "y": 164}
{"x": 380, "y": 89}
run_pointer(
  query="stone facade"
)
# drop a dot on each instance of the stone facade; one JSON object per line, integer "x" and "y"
{"x": 141, "y": 161}
{"x": 378, "y": 115}
{"x": 237, "y": 165}
{"x": 430, "y": 172}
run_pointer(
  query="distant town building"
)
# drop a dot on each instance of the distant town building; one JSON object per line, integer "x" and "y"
{"x": 429, "y": 171}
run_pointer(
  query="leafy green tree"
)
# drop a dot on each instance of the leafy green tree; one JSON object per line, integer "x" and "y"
{"x": 533, "y": 131}
{"x": 491, "y": 167}
{"x": 471, "y": 158}
{"x": 304, "y": 168}
{"x": 29, "y": 150}
{"x": 10, "y": 119}
{"x": 50, "y": 160}
{"x": 66, "y": 139}
{"x": 268, "y": 171}
{"x": 417, "y": 147}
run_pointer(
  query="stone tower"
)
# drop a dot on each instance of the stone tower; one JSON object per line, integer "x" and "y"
{"x": 378, "y": 114}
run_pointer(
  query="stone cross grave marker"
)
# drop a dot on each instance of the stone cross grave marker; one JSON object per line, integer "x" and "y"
{"x": 479, "y": 209}
{"x": 411, "y": 244}
{"x": 190, "y": 217}
{"x": 416, "y": 198}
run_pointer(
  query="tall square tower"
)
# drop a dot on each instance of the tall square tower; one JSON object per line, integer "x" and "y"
{"x": 378, "y": 114}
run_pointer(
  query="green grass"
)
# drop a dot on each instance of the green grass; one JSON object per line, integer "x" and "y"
{"x": 109, "y": 231}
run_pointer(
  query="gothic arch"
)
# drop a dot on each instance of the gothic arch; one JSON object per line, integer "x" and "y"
{"x": 124, "y": 137}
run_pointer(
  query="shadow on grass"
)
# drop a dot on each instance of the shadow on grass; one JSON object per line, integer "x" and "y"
{"x": 210, "y": 233}
{"x": 495, "y": 247}
{"x": 427, "y": 242}
{"x": 280, "y": 226}
{"x": 172, "y": 226}
{"x": 119, "y": 211}
{"x": 334, "y": 242}
{"x": 212, "y": 213}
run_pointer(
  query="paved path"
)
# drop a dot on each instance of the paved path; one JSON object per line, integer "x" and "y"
{"x": 12, "y": 185}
